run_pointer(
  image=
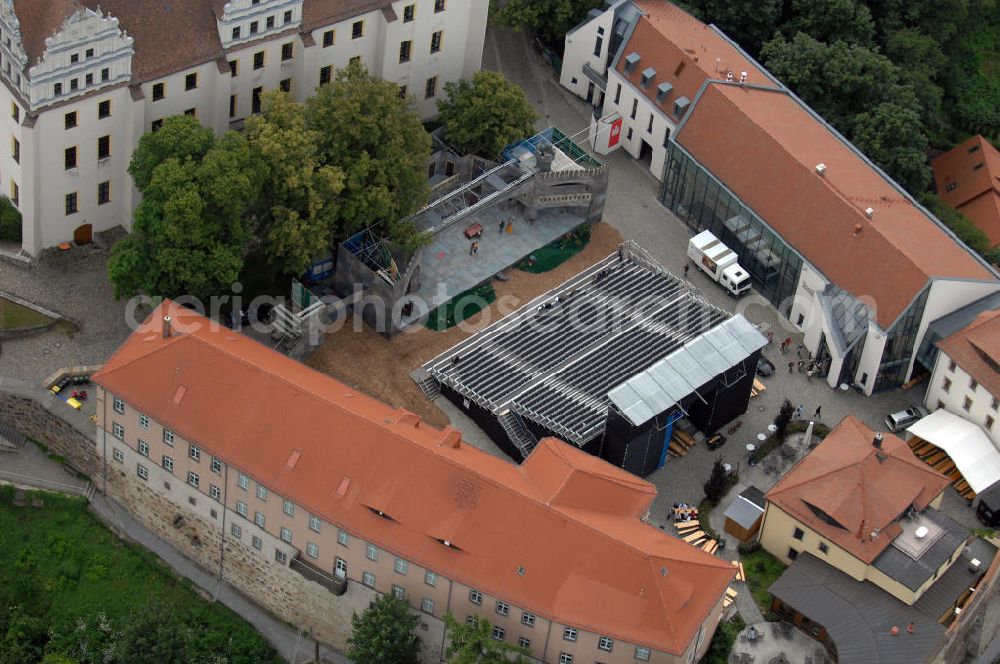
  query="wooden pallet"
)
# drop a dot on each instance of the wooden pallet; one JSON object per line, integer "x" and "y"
{"x": 676, "y": 450}
{"x": 685, "y": 439}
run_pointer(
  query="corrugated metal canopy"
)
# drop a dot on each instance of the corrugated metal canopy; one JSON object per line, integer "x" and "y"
{"x": 673, "y": 378}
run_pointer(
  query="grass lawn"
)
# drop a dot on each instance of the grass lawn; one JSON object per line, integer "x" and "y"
{"x": 762, "y": 569}
{"x": 14, "y": 316}
{"x": 460, "y": 307}
{"x": 555, "y": 254}
{"x": 69, "y": 586}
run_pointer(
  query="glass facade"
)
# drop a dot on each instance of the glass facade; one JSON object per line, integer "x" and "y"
{"x": 703, "y": 203}
{"x": 899, "y": 346}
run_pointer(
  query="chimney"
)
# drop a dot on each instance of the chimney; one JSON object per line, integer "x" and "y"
{"x": 743, "y": 77}
{"x": 166, "y": 327}
{"x": 869, "y": 212}
{"x": 857, "y": 228}
{"x": 877, "y": 441}
{"x": 821, "y": 169}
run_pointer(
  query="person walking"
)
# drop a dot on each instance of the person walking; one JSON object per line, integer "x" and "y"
{"x": 500, "y": 228}
{"x": 687, "y": 266}
{"x": 510, "y": 227}
{"x": 799, "y": 410}
{"x": 791, "y": 367}
{"x": 818, "y": 409}
{"x": 474, "y": 249}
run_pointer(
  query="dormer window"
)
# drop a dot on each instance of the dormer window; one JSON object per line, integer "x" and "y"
{"x": 647, "y": 76}
{"x": 631, "y": 60}
{"x": 681, "y": 107}
{"x": 662, "y": 91}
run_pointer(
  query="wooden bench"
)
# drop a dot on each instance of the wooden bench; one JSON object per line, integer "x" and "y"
{"x": 710, "y": 546}
{"x": 923, "y": 449}
{"x": 961, "y": 485}
{"x": 944, "y": 466}
{"x": 686, "y": 526}
{"x": 934, "y": 458}
{"x": 693, "y": 537}
{"x": 731, "y": 594}
{"x": 683, "y": 438}
{"x": 759, "y": 386}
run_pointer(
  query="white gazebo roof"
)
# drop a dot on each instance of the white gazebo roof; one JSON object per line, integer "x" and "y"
{"x": 965, "y": 442}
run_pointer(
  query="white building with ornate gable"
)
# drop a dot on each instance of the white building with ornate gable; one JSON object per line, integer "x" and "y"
{"x": 84, "y": 80}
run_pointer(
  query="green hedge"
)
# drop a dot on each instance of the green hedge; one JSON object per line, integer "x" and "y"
{"x": 10, "y": 221}
{"x": 553, "y": 255}
{"x": 468, "y": 304}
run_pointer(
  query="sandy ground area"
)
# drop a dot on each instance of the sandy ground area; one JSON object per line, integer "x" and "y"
{"x": 378, "y": 366}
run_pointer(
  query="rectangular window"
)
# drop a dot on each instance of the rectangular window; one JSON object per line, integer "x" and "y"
{"x": 798, "y": 533}
{"x": 402, "y": 92}
{"x": 159, "y": 91}
{"x": 401, "y": 566}
{"x": 973, "y": 384}
{"x": 287, "y": 51}
{"x": 191, "y": 81}
{"x": 105, "y": 74}
{"x": 355, "y": 61}
{"x": 342, "y": 537}
{"x": 569, "y": 634}
{"x": 427, "y": 605}
{"x": 642, "y": 654}
{"x": 258, "y": 543}
{"x": 286, "y": 535}
{"x": 989, "y": 422}
{"x": 236, "y": 531}
{"x": 69, "y": 120}
{"x": 288, "y": 507}
{"x": 952, "y": 365}
{"x": 155, "y": 125}
{"x": 74, "y": 84}
{"x": 498, "y": 633}
{"x": 358, "y": 30}
{"x": 430, "y": 87}
{"x": 193, "y": 479}
{"x": 194, "y": 452}
{"x": 436, "y": 42}
{"x": 104, "y": 147}
{"x": 438, "y": 6}
{"x": 254, "y": 27}
{"x": 605, "y": 643}
{"x": 15, "y": 112}
{"x": 565, "y": 658}
{"x": 232, "y": 106}
{"x": 368, "y": 579}
{"x": 946, "y": 385}
{"x": 280, "y": 556}
{"x": 15, "y": 149}
{"x": 287, "y": 17}
{"x": 261, "y": 491}
{"x": 104, "y": 192}
{"x": 399, "y": 592}
{"x": 325, "y": 74}
{"x": 476, "y": 597}
{"x": 191, "y": 111}
{"x": 168, "y": 464}
{"x": 312, "y": 550}
{"x": 119, "y": 406}
{"x": 524, "y": 642}
{"x": 430, "y": 578}
{"x": 340, "y": 568}
{"x": 118, "y": 455}
{"x": 71, "y": 203}
{"x": 144, "y": 421}
{"x": 118, "y": 431}
{"x": 635, "y": 107}
{"x": 823, "y": 548}
{"x": 328, "y": 38}
{"x": 104, "y": 109}
{"x": 241, "y": 508}
{"x": 503, "y": 608}
{"x": 792, "y": 554}
{"x": 314, "y": 523}
{"x": 69, "y": 158}
{"x": 285, "y": 85}
{"x": 258, "y": 518}
{"x": 236, "y": 32}
{"x": 89, "y": 79}
{"x": 168, "y": 437}
{"x": 143, "y": 448}
{"x": 215, "y": 492}
{"x": 649, "y": 127}
{"x": 216, "y": 465}
{"x": 372, "y": 552}
{"x": 255, "y": 99}
{"x": 966, "y": 405}
{"x": 528, "y": 619}
{"x": 408, "y": 11}
{"x": 269, "y": 23}
{"x": 404, "y": 51}
{"x": 141, "y": 471}
{"x": 234, "y": 68}
{"x": 258, "y": 60}
{"x": 243, "y": 481}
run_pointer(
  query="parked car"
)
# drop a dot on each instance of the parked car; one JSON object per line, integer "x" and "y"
{"x": 896, "y": 422}
{"x": 765, "y": 367}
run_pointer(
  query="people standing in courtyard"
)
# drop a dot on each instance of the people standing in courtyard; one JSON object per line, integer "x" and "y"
{"x": 686, "y": 267}
{"x": 474, "y": 249}
{"x": 791, "y": 367}
{"x": 799, "y": 411}
{"x": 500, "y": 228}
{"x": 510, "y": 226}
{"x": 818, "y": 409}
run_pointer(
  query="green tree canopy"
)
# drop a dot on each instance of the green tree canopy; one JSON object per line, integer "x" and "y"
{"x": 831, "y": 20}
{"x": 484, "y": 115}
{"x": 190, "y": 229}
{"x": 474, "y": 644}
{"x": 299, "y": 216}
{"x": 891, "y": 136}
{"x": 551, "y": 19}
{"x": 959, "y": 224}
{"x": 384, "y": 634}
{"x": 749, "y": 22}
{"x": 370, "y": 133}
{"x": 180, "y": 137}
{"x": 921, "y": 62}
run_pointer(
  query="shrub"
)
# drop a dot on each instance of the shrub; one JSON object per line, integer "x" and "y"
{"x": 10, "y": 221}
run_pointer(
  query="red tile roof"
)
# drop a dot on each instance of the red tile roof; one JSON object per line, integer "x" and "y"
{"x": 976, "y": 191}
{"x": 765, "y": 146}
{"x": 976, "y": 348}
{"x": 571, "y": 520}
{"x": 683, "y": 51}
{"x": 844, "y": 478}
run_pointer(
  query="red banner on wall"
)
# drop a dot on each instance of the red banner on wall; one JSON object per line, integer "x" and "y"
{"x": 616, "y": 133}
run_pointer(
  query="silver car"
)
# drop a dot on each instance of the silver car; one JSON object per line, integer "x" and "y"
{"x": 896, "y": 422}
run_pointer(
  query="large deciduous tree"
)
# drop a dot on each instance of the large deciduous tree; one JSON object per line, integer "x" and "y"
{"x": 551, "y": 19}
{"x": 474, "y": 644}
{"x": 298, "y": 218}
{"x": 367, "y": 130}
{"x": 830, "y": 20}
{"x": 749, "y": 22}
{"x": 891, "y": 136}
{"x": 180, "y": 137}
{"x": 384, "y": 634}
{"x": 484, "y": 115}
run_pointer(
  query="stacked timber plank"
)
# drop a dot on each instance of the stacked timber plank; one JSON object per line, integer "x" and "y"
{"x": 680, "y": 443}
{"x": 939, "y": 460}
